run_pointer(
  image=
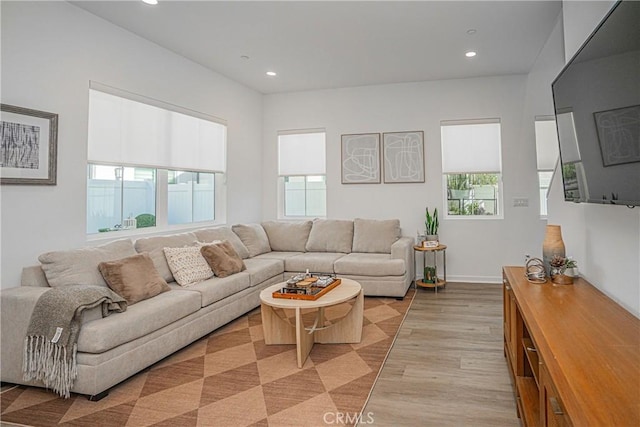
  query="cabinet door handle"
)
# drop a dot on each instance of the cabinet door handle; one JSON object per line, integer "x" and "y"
{"x": 508, "y": 287}
{"x": 555, "y": 406}
{"x": 533, "y": 349}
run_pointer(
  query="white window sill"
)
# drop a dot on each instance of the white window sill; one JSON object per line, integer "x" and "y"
{"x": 473, "y": 217}
{"x": 151, "y": 231}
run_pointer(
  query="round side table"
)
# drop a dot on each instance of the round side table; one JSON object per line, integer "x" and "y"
{"x": 437, "y": 281}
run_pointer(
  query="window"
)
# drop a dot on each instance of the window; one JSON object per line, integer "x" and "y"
{"x": 471, "y": 164}
{"x": 116, "y": 194}
{"x": 150, "y": 164}
{"x": 301, "y": 170}
{"x": 190, "y": 197}
{"x": 546, "y": 156}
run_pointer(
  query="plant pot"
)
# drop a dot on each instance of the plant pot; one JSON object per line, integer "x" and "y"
{"x": 432, "y": 237}
{"x": 552, "y": 245}
{"x": 562, "y": 279}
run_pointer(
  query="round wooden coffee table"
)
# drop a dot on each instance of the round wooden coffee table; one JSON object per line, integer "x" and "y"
{"x": 278, "y": 330}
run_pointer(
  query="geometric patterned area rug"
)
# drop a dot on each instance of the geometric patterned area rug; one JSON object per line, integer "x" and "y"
{"x": 231, "y": 378}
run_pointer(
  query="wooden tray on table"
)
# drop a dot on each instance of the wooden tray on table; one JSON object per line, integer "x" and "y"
{"x": 309, "y": 293}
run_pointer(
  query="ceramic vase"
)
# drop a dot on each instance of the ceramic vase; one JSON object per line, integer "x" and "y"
{"x": 552, "y": 245}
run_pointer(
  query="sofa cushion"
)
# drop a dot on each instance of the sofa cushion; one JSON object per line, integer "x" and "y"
{"x": 187, "y": 265}
{"x": 316, "y": 262}
{"x": 134, "y": 278}
{"x": 155, "y": 247}
{"x": 253, "y": 237}
{"x": 139, "y": 320}
{"x": 369, "y": 265}
{"x": 262, "y": 269}
{"x": 80, "y": 266}
{"x": 218, "y": 288}
{"x": 208, "y": 235}
{"x": 278, "y": 255}
{"x": 222, "y": 258}
{"x": 330, "y": 235}
{"x": 375, "y": 236}
{"x": 287, "y": 236}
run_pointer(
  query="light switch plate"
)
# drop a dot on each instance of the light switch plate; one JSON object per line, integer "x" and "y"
{"x": 520, "y": 202}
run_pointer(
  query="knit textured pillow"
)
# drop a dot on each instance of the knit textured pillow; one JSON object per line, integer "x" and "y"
{"x": 187, "y": 265}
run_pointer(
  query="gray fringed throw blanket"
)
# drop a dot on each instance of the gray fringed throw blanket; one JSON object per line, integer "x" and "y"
{"x": 51, "y": 342}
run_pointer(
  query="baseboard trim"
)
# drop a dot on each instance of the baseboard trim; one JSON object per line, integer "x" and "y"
{"x": 474, "y": 279}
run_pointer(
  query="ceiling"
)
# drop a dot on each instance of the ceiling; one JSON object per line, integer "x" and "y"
{"x": 330, "y": 44}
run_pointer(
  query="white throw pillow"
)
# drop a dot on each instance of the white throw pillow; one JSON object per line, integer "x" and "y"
{"x": 187, "y": 265}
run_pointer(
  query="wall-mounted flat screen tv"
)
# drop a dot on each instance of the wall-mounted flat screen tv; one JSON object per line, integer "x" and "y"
{"x": 597, "y": 106}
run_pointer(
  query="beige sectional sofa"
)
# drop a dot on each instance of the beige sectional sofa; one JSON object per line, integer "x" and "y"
{"x": 113, "y": 348}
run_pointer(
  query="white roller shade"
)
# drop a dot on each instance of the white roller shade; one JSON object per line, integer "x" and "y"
{"x": 301, "y": 154}
{"x": 471, "y": 147}
{"x": 546, "y": 144}
{"x": 128, "y": 132}
{"x": 568, "y": 138}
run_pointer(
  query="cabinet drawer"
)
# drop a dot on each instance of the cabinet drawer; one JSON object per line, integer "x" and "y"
{"x": 553, "y": 411}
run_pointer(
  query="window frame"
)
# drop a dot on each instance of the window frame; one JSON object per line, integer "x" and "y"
{"x": 544, "y": 215}
{"x": 281, "y": 196}
{"x": 499, "y": 174}
{"x": 282, "y": 208}
{"x": 162, "y": 207}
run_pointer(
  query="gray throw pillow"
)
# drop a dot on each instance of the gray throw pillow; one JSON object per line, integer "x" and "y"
{"x": 208, "y": 235}
{"x": 253, "y": 237}
{"x": 155, "y": 247}
{"x": 375, "y": 236}
{"x": 80, "y": 266}
{"x": 287, "y": 236}
{"x": 330, "y": 235}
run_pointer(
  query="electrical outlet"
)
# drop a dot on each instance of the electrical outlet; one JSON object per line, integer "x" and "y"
{"x": 520, "y": 202}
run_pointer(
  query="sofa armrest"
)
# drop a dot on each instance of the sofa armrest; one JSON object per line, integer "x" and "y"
{"x": 403, "y": 249}
{"x": 16, "y": 306}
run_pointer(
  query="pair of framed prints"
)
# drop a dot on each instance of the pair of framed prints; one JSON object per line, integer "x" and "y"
{"x": 399, "y": 160}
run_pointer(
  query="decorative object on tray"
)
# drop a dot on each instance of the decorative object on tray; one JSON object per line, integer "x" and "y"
{"x": 430, "y": 275}
{"x": 307, "y": 286}
{"x": 559, "y": 266}
{"x": 552, "y": 245}
{"x": 534, "y": 270}
{"x": 29, "y": 140}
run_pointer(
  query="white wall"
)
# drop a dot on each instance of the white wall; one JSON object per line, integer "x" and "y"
{"x": 604, "y": 239}
{"x": 477, "y": 249}
{"x": 50, "y": 51}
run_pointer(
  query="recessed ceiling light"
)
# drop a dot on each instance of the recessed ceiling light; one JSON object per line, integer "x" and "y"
{"x": 150, "y": 1}
{"x": 470, "y": 54}
{"x": 271, "y": 73}
{"x": 471, "y": 31}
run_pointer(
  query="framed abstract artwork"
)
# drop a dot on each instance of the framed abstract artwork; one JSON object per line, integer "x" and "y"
{"x": 361, "y": 158}
{"x": 29, "y": 142}
{"x": 403, "y": 154}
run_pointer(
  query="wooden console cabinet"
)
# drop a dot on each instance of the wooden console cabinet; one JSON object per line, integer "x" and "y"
{"x": 573, "y": 354}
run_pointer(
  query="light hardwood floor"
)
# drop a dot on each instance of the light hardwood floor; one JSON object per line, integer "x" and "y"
{"x": 447, "y": 366}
